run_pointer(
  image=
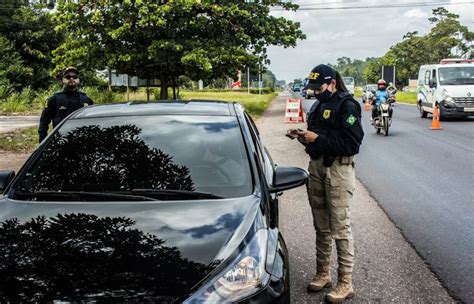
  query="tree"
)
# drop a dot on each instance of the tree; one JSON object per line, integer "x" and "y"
{"x": 167, "y": 39}
{"x": 12, "y": 69}
{"x": 448, "y": 38}
{"x": 31, "y": 31}
{"x": 448, "y": 35}
{"x": 351, "y": 68}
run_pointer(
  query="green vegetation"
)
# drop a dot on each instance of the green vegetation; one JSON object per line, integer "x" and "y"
{"x": 254, "y": 104}
{"x": 22, "y": 140}
{"x": 169, "y": 39}
{"x": 406, "y": 97}
{"x": 358, "y": 92}
{"x": 446, "y": 39}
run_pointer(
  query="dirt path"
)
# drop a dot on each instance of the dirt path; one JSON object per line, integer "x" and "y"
{"x": 12, "y": 161}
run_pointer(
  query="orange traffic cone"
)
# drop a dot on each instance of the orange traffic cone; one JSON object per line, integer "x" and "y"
{"x": 435, "y": 122}
{"x": 367, "y": 106}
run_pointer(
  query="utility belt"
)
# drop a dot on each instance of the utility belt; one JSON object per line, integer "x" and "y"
{"x": 329, "y": 160}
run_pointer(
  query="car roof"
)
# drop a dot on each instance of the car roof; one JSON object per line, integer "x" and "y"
{"x": 160, "y": 107}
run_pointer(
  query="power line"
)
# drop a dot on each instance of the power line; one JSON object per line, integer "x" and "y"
{"x": 415, "y": 4}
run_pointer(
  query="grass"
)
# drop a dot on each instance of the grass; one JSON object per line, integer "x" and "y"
{"x": 406, "y": 97}
{"x": 253, "y": 103}
{"x": 22, "y": 140}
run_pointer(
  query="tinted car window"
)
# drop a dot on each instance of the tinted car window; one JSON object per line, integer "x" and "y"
{"x": 119, "y": 154}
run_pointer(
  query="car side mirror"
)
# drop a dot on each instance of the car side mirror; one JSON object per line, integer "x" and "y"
{"x": 285, "y": 178}
{"x": 432, "y": 83}
{"x": 6, "y": 176}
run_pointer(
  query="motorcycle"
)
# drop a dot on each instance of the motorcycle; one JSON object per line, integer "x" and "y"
{"x": 383, "y": 119}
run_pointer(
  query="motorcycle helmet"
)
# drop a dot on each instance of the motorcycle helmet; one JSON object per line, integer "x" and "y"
{"x": 381, "y": 84}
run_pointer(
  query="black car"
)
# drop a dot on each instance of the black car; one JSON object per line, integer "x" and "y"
{"x": 160, "y": 202}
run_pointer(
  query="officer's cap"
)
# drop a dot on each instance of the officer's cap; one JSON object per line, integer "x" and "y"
{"x": 70, "y": 69}
{"x": 319, "y": 75}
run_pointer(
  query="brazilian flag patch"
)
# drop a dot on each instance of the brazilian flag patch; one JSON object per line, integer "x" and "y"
{"x": 351, "y": 119}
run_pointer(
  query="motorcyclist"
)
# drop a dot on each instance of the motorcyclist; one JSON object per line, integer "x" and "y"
{"x": 381, "y": 95}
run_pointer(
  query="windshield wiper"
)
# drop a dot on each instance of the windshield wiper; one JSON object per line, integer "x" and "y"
{"x": 77, "y": 195}
{"x": 176, "y": 193}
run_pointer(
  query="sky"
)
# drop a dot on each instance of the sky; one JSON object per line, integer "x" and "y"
{"x": 354, "y": 33}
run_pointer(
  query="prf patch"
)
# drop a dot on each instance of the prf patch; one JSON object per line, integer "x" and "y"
{"x": 313, "y": 75}
{"x": 351, "y": 119}
{"x": 326, "y": 113}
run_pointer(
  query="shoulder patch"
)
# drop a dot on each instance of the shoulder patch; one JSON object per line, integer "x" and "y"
{"x": 351, "y": 119}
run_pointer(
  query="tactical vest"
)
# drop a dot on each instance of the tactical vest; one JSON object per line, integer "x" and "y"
{"x": 63, "y": 107}
{"x": 332, "y": 122}
{"x": 321, "y": 125}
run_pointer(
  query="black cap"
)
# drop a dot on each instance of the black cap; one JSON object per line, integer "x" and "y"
{"x": 319, "y": 75}
{"x": 70, "y": 69}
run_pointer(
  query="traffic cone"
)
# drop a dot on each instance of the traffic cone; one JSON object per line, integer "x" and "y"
{"x": 435, "y": 122}
{"x": 367, "y": 106}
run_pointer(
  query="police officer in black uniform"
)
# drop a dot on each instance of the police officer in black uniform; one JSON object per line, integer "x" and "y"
{"x": 63, "y": 103}
{"x": 333, "y": 138}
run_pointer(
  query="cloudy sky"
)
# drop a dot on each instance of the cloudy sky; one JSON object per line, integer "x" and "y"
{"x": 354, "y": 33}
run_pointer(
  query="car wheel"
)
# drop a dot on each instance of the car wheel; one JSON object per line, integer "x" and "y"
{"x": 441, "y": 114}
{"x": 423, "y": 113}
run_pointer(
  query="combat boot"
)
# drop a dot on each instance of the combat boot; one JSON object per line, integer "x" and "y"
{"x": 343, "y": 289}
{"x": 322, "y": 279}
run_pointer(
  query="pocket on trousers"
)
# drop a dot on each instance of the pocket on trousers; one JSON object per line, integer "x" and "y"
{"x": 341, "y": 196}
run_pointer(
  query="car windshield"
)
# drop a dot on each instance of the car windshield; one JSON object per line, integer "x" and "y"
{"x": 348, "y": 80}
{"x": 371, "y": 88}
{"x": 163, "y": 157}
{"x": 456, "y": 76}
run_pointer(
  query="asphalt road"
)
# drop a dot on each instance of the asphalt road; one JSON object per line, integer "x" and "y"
{"x": 424, "y": 180}
{"x": 387, "y": 269}
{"x": 10, "y": 123}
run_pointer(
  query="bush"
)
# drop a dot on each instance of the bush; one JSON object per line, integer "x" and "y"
{"x": 5, "y": 91}
{"x": 18, "y": 102}
{"x": 100, "y": 96}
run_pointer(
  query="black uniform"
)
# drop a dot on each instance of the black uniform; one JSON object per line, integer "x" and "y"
{"x": 59, "y": 106}
{"x": 338, "y": 124}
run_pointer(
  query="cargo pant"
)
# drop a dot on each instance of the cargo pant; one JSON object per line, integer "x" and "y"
{"x": 330, "y": 191}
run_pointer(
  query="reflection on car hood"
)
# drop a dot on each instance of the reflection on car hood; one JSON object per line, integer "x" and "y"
{"x": 144, "y": 251}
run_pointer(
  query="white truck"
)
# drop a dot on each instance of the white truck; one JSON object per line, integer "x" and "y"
{"x": 350, "y": 84}
{"x": 449, "y": 85}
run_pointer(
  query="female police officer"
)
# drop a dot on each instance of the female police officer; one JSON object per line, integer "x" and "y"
{"x": 333, "y": 137}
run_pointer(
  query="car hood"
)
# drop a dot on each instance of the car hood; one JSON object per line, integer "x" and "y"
{"x": 97, "y": 252}
{"x": 459, "y": 90}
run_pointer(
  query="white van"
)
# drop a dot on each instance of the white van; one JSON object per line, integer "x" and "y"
{"x": 349, "y": 83}
{"x": 450, "y": 85}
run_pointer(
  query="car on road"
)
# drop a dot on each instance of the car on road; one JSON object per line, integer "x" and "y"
{"x": 350, "y": 84}
{"x": 157, "y": 202}
{"x": 448, "y": 85}
{"x": 368, "y": 90}
{"x": 296, "y": 87}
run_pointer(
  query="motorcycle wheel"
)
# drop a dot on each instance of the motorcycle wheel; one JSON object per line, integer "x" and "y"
{"x": 385, "y": 126}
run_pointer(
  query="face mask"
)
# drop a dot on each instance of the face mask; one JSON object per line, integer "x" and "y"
{"x": 324, "y": 96}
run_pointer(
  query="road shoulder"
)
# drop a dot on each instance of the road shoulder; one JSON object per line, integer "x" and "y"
{"x": 387, "y": 268}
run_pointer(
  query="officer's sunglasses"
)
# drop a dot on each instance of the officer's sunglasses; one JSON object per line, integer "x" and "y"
{"x": 71, "y": 76}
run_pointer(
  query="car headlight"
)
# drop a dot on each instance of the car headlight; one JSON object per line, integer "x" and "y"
{"x": 448, "y": 99}
{"x": 244, "y": 276}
